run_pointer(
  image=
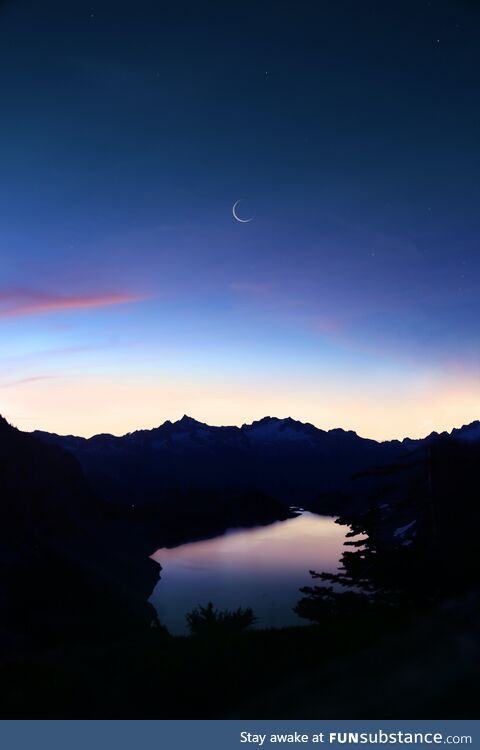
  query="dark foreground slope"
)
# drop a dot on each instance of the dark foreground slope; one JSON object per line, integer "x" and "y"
{"x": 67, "y": 568}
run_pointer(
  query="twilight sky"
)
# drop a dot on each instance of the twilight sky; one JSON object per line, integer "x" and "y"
{"x": 128, "y": 292}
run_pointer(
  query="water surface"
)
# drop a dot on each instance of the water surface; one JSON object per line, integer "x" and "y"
{"x": 262, "y": 568}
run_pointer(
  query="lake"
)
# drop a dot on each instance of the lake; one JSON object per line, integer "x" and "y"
{"x": 261, "y": 567}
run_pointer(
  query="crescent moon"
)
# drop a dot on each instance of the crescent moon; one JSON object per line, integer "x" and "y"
{"x": 235, "y": 215}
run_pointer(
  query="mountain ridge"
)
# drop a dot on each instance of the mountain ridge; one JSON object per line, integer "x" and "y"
{"x": 186, "y": 422}
{"x": 292, "y": 462}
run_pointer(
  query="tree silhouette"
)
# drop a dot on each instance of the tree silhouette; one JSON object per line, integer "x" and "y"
{"x": 415, "y": 544}
{"x": 207, "y": 621}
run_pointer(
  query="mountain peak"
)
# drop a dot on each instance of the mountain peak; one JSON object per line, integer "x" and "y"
{"x": 263, "y": 420}
{"x": 189, "y": 422}
{"x": 286, "y": 429}
{"x": 5, "y": 426}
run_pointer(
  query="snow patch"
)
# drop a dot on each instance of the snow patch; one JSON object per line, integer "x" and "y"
{"x": 276, "y": 431}
{"x": 402, "y": 529}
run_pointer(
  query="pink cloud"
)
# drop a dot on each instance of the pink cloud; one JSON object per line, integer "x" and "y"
{"x": 15, "y": 302}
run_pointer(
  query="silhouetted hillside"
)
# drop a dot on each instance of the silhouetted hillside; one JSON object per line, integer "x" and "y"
{"x": 416, "y": 543}
{"x": 67, "y": 568}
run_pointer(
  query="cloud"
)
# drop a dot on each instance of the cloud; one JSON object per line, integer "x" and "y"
{"x": 25, "y": 381}
{"x": 16, "y": 302}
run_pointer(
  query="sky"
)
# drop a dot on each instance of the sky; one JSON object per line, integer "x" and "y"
{"x": 129, "y": 294}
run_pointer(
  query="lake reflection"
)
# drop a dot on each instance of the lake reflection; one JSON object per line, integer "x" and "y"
{"x": 262, "y": 568}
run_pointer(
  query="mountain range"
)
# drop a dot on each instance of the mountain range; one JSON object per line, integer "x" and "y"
{"x": 288, "y": 461}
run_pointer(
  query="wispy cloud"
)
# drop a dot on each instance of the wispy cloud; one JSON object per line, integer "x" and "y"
{"x": 16, "y": 302}
{"x": 25, "y": 381}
